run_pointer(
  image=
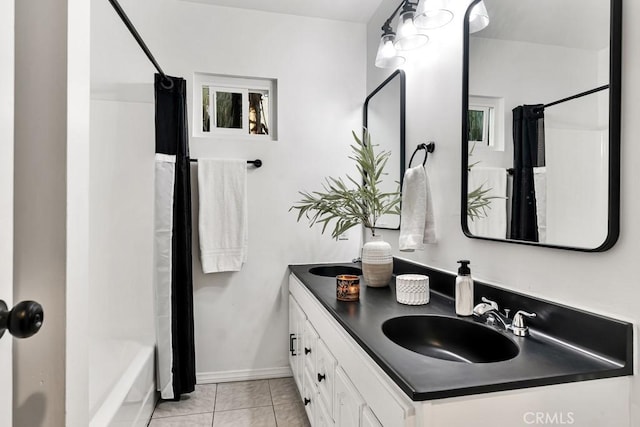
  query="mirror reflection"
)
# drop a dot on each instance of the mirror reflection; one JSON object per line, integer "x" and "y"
{"x": 384, "y": 117}
{"x": 537, "y": 129}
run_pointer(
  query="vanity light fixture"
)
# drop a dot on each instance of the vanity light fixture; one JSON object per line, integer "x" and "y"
{"x": 478, "y": 18}
{"x": 414, "y": 18}
{"x": 387, "y": 56}
{"x": 433, "y": 14}
{"x": 408, "y": 36}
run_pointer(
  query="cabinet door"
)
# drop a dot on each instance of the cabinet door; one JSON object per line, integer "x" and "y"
{"x": 309, "y": 341}
{"x": 325, "y": 373}
{"x": 309, "y": 396}
{"x": 347, "y": 405}
{"x": 296, "y": 326}
{"x": 323, "y": 419}
{"x": 369, "y": 419}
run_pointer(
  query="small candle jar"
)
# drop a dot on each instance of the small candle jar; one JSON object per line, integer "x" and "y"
{"x": 347, "y": 287}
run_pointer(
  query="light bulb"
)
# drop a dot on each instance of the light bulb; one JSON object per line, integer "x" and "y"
{"x": 408, "y": 36}
{"x": 387, "y": 56}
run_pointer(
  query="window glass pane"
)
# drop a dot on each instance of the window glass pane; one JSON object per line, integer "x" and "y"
{"x": 229, "y": 110}
{"x": 206, "y": 114}
{"x": 476, "y": 125}
{"x": 258, "y": 112}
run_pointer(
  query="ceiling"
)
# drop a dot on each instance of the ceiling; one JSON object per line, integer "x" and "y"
{"x": 341, "y": 10}
{"x": 582, "y": 24}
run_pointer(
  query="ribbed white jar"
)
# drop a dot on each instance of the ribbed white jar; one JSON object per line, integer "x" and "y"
{"x": 377, "y": 262}
{"x": 412, "y": 289}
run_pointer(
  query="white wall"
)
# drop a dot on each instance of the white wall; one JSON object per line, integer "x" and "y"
{"x": 319, "y": 65}
{"x": 600, "y": 282}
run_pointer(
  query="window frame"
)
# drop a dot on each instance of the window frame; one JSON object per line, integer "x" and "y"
{"x": 243, "y": 85}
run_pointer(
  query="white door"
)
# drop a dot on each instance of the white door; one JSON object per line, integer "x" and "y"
{"x": 6, "y": 199}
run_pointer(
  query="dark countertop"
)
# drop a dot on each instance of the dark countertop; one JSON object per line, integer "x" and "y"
{"x": 542, "y": 360}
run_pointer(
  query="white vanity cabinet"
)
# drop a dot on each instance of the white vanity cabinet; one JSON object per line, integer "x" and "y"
{"x": 335, "y": 376}
{"x": 369, "y": 419}
{"x": 344, "y": 387}
{"x": 296, "y": 327}
{"x": 347, "y": 401}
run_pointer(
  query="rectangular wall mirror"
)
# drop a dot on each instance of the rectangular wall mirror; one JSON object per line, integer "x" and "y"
{"x": 384, "y": 117}
{"x": 541, "y": 124}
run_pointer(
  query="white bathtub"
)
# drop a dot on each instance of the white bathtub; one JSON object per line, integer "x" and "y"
{"x": 122, "y": 385}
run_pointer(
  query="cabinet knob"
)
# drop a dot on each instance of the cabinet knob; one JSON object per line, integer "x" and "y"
{"x": 321, "y": 377}
{"x": 307, "y": 350}
{"x": 306, "y": 401}
{"x": 23, "y": 321}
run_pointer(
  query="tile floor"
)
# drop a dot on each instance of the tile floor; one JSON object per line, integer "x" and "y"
{"x": 263, "y": 403}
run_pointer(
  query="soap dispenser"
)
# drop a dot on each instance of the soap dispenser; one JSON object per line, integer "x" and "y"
{"x": 464, "y": 290}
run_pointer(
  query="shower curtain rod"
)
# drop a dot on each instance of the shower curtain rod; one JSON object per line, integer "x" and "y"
{"x": 579, "y": 95}
{"x": 136, "y": 35}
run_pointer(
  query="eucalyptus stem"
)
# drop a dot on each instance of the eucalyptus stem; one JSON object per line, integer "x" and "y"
{"x": 360, "y": 202}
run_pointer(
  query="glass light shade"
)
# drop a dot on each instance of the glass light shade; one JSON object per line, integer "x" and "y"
{"x": 433, "y": 14}
{"x": 408, "y": 37}
{"x": 478, "y": 18}
{"x": 387, "y": 56}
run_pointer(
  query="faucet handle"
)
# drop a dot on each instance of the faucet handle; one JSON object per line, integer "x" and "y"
{"x": 518, "y": 325}
{"x": 491, "y": 303}
{"x": 485, "y": 306}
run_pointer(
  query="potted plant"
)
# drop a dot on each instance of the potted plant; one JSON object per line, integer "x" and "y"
{"x": 354, "y": 202}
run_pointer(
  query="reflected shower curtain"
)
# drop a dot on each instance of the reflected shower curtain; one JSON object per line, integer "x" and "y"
{"x": 172, "y": 252}
{"x": 528, "y": 152}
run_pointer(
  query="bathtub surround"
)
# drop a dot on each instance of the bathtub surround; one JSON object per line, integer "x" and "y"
{"x": 173, "y": 273}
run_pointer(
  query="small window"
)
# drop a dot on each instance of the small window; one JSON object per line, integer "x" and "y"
{"x": 486, "y": 122}
{"x": 234, "y": 106}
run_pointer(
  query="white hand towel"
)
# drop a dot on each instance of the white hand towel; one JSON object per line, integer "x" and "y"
{"x": 417, "y": 224}
{"x": 222, "y": 187}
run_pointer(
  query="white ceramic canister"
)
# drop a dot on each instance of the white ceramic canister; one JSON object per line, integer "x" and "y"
{"x": 377, "y": 262}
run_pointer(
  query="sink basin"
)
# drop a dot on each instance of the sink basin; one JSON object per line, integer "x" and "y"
{"x": 449, "y": 338}
{"x": 334, "y": 270}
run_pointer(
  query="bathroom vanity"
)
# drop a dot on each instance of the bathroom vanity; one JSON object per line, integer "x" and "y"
{"x": 371, "y": 363}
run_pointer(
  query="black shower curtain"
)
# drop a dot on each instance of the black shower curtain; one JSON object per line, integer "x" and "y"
{"x": 172, "y": 147}
{"x": 528, "y": 152}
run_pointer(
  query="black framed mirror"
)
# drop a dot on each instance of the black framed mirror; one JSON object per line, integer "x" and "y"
{"x": 384, "y": 117}
{"x": 541, "y": 124}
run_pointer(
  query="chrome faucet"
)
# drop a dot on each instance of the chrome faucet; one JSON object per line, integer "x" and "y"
{"x": 490, "y": 310}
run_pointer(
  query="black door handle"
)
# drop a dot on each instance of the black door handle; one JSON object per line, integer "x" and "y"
{"x": 292, "y": 338}
{"x": 307, "y": 350}
{"x": 321, "y": 377}
{"x": 306, "y": 401}
{"x": 23, "y": 320}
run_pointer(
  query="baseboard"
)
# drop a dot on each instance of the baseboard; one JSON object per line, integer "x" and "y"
{"x": 242, "y": 375}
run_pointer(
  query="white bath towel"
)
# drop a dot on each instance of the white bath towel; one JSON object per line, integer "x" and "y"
{"x": 495, "y": 223}
{"x": 222, "y": 189}
{"x": 540, "y": 188}
{"x": 417, "y": 222}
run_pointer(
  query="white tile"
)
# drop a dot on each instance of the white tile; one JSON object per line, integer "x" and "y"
{"x": 198, "y": 420}
{"x": 202, "y": 400}
{"x": 250, "y": 417}
{"x": 283, "y": 390}
{"x": 244, "y": 394}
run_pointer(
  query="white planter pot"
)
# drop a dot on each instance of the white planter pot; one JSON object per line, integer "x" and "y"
{"x": 377, "y": 262}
